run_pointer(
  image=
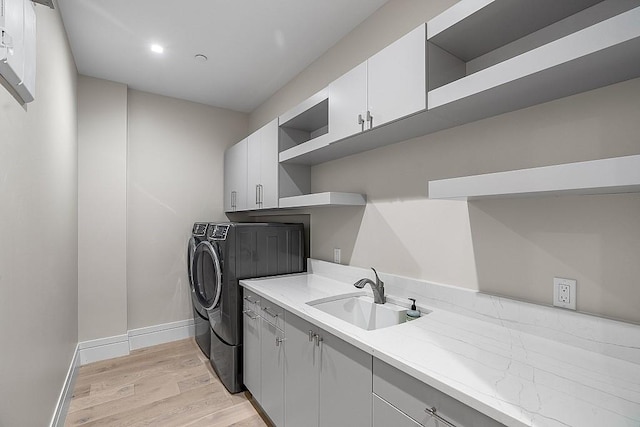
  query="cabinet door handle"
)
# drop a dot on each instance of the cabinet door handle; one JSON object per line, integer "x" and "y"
{"x": 370, "y": 119}
{"x": 257, "y": 194}
{"x": 432, "y": 412}
{"x": 318, "y": 339}
{"x": 311, "y": 335}
{"x": 361, "y": 122}
{"x": 279, "y": 341}
{"x": 249, "y": 313}
{"x": 261, "y": 191}
{"x": 270, "y": 313}
{"x": 233, "y": 199}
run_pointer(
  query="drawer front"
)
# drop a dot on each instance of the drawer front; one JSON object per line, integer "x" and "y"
{"x": 272, "y": 313}
{"x": 413, "y": 397}
{"x": 386, "y": 415}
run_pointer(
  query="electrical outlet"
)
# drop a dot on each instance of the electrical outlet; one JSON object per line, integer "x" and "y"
{"x": 336, "y": 255}
{"x": 564, "y": 293}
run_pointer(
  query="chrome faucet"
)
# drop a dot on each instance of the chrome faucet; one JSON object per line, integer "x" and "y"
{"x": 377, "y": 287}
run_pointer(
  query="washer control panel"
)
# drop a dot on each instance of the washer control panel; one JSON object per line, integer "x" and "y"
{"x": 199, "y": 229}
{"x": 219, "y": 232}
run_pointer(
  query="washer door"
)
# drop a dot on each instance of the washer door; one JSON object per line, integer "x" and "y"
{"x": 191, "y": 248}
{"x": 206, "y": 275}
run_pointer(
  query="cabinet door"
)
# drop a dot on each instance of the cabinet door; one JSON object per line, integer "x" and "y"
{"x": 385, "y": 415}
{"x": 345, "y": 384}
{"x": 269, "y": 164}
{"x": 396, "y": 78}
{"x": 262, "y": 167}
{"x": 235, "y": 177}
{"x": 254, "y": 152}
{"x": 348, "y": 101}
{"x": 272, "y": 369}
{"x": 251, "y": 352}
{"x": 301, "y": 370}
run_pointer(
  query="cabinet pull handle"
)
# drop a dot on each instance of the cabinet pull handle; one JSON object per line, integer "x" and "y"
{"x": 249, "y": 312}
{"x": 248, "y": 298}
{"x": 257, "y": 194}
{"x": 261, "y": 191}
{"x": 270, "y": 313}
{"x": 361, "y": 122}
{"x": 233, "y": 199}
{"x": 432, "y": 412}
{"x": 370, "y": 119}
{"x": 279, "y": 341}
{"x": 311, "y": 335}
{"x": 318, "y": 339}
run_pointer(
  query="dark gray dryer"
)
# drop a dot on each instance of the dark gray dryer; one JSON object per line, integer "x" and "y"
{"x": 242, "y": 251}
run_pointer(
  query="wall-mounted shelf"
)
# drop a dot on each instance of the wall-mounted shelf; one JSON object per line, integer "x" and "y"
{"x": 323, "y": 199}
{"x": 614, "y": 175}
{"x": 594, "y": 48}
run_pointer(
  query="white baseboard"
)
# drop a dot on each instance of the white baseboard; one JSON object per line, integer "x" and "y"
{"x": 160, "y": 334}
{"x": 121, "y": 345}
{"x": 103, "y": 348}
{"x": 64, "y": 399}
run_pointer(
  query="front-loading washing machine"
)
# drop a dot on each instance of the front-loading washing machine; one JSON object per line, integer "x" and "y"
{"x": 241, "y": 251}
{"x": 202, "y": 294}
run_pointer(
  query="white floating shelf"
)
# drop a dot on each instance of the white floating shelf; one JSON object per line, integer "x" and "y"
{"x": 323, "y": 199}
{"x": 615, "y": 175}
{"x": 601, "y": 54}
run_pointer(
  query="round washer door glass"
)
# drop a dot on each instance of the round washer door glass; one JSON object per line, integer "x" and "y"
{"x": 207, "y": 277}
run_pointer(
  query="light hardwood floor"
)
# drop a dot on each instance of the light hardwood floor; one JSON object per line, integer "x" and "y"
{"x": 166, "y": 385}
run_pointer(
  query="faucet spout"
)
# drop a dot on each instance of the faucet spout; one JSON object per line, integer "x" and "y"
{"x": 377, "y": 287}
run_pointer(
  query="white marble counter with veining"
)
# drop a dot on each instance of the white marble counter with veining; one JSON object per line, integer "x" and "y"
{"x": 514, "y": 376}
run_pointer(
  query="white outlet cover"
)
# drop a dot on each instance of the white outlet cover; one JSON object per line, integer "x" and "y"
{"x": 558, "y": 282}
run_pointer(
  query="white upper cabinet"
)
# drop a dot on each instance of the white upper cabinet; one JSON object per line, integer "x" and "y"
{"x": 262, "y": 167}
{"x": 235, "y": 177}
{"x": 388, "y": 86}
{"x": 348, "y": 103}
{"x": 396, "y": 79}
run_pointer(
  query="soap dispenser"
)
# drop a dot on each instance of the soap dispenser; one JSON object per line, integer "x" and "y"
{"x": 413, "y": 313}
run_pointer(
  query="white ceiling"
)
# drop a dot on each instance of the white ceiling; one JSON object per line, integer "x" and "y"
{"x": 254, "y": 47}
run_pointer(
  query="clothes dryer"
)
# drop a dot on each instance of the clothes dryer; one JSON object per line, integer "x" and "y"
{"x": 242, "y": 251}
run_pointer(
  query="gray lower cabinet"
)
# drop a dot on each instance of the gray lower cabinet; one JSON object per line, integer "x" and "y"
{"x": 387, "y": 415}
{"x": 272, "y": 372}
{"x": 424, "y": 404}
{"x": 251, "y": 350}
{"x": 301, "y": 373}
{"x": 327, "y": 380}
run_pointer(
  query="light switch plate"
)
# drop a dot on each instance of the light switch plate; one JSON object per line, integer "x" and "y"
{"x": 564, "y": 293}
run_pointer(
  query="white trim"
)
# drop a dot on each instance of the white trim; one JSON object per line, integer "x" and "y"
{"x": 62, "y": 406}
{"x": 160, "y": 334}
{"x": 103, "y": 348}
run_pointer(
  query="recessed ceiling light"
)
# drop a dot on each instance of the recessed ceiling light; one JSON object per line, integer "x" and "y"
{"x": 157, "y": 48}
{"x": 200, "y": 57}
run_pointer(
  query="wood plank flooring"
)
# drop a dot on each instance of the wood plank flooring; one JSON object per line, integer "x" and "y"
{"x": 166, "y": 385}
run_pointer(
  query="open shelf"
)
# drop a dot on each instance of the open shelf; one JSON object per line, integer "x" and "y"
{"x": 305, "y": 124}
{"x": 472, "y": 28}
{"x": 596, "y": 55}
{"x": 323, "y": 199}
{"x": 614, "y": 175}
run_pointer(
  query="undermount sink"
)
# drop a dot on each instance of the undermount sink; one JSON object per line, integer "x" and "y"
{"x": 361, "y": 311}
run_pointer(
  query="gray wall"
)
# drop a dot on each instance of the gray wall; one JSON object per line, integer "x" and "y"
{"x": 150, "y": 166}
{"x": 38, "y": 234}
{"x": 102, "y": 208}
{"x": 510, "y": 247}
{"x": 175, "y": 176}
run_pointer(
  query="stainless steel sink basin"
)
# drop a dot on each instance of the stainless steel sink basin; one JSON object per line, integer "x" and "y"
{"x": 361, "y": 311}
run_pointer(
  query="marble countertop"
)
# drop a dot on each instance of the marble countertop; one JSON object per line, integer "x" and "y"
{"x": 515, "y": 377}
